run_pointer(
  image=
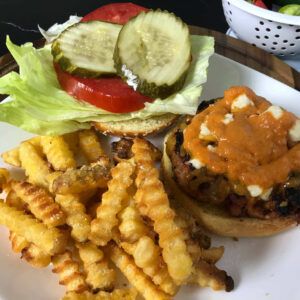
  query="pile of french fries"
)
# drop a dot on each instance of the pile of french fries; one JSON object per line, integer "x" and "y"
{"x": 87, "y": 216}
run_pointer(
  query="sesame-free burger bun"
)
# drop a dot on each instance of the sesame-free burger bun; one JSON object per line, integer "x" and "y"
{"x": 216, "y": 219}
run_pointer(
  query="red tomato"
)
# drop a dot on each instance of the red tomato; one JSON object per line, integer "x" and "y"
{"x": 111, "y": 94}
{"x": 260, "y": 3}
{"x": 118, "y": 13}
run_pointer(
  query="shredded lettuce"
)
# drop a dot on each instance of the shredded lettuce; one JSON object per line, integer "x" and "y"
{"x": 40, "y": 106}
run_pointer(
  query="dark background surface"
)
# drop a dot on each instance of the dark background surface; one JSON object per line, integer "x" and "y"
{"x": 19, "y": 18}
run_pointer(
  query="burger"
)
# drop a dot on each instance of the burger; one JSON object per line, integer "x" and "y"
{"x": 123, "y": 69}
{"x": 236, "y": 165}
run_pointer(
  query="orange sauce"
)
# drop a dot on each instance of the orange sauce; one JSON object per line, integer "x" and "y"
{"x": 252, "y": 148}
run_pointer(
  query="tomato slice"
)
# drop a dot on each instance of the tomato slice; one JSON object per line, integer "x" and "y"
{"x": 111, "y": 94}
{"x": 118, "y": 13}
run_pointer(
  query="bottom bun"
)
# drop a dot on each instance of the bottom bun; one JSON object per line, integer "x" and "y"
{"x": 216, "y": 219}
{"x": 136, "y": 127}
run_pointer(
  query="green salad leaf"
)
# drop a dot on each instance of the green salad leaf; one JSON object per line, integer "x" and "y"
{"x": 38, "y": 104}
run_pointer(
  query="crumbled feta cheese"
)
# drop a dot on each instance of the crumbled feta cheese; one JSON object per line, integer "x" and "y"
{"x": 266, "y": 194}
{"x": 228, "y": 118}
{"x": 254, "y": 190}
{"x": 275, "y": 111}
{"x": 211, "y": 148}
{"x": 240, "y": 102}
{"x": 295, "y": 132}
{"x": 196, "y": 163}
{"x": 204, "y": 130}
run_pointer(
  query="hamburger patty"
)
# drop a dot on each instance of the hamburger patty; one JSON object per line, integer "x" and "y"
{"x": 206, "y": 186}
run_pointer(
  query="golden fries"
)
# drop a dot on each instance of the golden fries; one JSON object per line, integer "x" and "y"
{"x": 35, "y": 167}
{"x": 13, "y": 200}
{"x": 50, "y": 240}
{"x": 88, "y": 177}
{"x": 113, "y": 201}
{"x": 4, "y": 175}
{"x": 98, "y": 274}
{"x": 117, "y": 294}
{"x": 11, "y": 157}
{"x": 58, "y": 153}
{"x": 153, "y": 202}
{"x": 40, "y": 203}
{"x": 36, "y": 257}
{"x": 69, "y": 272}
{"x": 90, "y": 145}
{"x": 73, "y": 201}
{"x": 147, "y": 256}
{"x": 135, "y": 276}
{"x": 18, "y": 243}
{"x": 76, "y": 216}
{"x": 132, "y": 226}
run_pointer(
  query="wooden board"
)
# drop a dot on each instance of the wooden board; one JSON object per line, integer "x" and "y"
{"x": 234, "y": 49}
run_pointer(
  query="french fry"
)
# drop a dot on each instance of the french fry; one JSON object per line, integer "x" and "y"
{"x": 30, "y": 252}
{"x": 18, "y": 243}
{"x": 208, "y": 275}
{"x": 76, "y": 216}
{"x": 40, "y": 203}
{"x": 132, "y": 226}
{"x": 72, "y": 140}
{"x": 135, "y": 276}
{"x": 50, "y": 240}
{"x": 117, "y": 294}
{"x": 147, "y": 256}
{"x": 90, "y": 145}
{"x": 153, "y": 202}
{"x": 98, "y": 274}
{"x": 88, "y": 177}
{"x": 13, "y": 200}
{"x": 4, "y": 175}
{"x": 113, "y": 201}
{"x": 11, "y": 157}
{"x": 36, "y": 257}
{"x": 35, "y": 167}
{"x": 69, "y": 273}
{"x": 58, "y": 153}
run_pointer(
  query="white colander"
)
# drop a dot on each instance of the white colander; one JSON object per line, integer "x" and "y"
{"x": 274, "y": 32}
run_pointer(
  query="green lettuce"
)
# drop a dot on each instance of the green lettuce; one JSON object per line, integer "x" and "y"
{"x": 37, "y": 103}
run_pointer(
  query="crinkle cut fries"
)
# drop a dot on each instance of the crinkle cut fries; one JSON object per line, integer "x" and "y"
{"x": 84, "y": 213}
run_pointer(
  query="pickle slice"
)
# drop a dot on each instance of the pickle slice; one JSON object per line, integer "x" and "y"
{"x": 153, "y": 53}
{"x": 86, "y": 49}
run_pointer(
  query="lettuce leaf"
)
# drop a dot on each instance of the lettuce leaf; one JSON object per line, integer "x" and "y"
{"x": 44, "y": 108}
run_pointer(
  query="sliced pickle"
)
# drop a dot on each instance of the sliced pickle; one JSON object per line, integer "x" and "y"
{"x": 153, "y": 53}
{"x": 86, "y": 49}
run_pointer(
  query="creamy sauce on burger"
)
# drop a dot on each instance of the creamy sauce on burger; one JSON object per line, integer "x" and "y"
{"x": 250, "y": 139}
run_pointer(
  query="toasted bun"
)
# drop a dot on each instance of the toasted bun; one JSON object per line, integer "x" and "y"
{"x": 218, "y": 220}
{"x": 136, "y": 127}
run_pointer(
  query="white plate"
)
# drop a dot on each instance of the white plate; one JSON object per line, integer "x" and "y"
{"x": 265, "y": 268}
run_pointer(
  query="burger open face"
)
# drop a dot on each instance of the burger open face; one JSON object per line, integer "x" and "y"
{"x": 236, "y": 164}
